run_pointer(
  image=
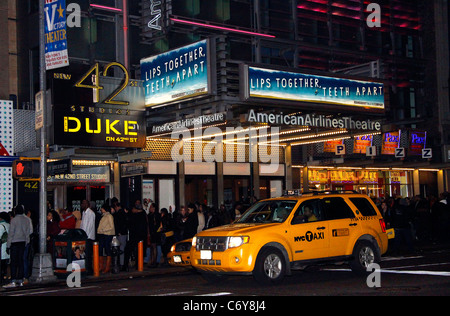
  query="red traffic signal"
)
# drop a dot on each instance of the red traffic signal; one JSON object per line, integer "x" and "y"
{"x": 26, "y": 169}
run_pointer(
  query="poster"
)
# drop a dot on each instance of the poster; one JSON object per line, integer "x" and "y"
{"x": 55, "y": 35}
{"x": 177, "y": 74}
{"x": 282, "y": 85}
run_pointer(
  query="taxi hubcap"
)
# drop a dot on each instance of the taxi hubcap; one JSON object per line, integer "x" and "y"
{"x": 272, "y": 266}
{"x": 366, "y": 256}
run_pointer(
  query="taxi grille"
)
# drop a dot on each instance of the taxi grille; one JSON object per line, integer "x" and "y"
{"x": 212, "y": 243}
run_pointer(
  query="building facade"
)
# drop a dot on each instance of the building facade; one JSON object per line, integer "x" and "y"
{"x": 310, "y": 94}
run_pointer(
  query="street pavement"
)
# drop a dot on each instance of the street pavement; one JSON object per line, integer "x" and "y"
{"x": 426, "y": 272}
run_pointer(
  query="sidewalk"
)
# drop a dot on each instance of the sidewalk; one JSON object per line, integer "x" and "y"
{"x": 133, "y": 273}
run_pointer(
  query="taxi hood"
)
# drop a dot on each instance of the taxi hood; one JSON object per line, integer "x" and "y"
{"x": 236, "y": 229}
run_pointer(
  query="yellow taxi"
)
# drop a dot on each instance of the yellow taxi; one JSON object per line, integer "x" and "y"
{"x": 275, "y": 236}
{"x": 180, "y": 255}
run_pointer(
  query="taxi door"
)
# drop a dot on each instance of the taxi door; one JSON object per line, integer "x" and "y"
{"x": 343, "y": 225}
{"x": 308, "y": 232}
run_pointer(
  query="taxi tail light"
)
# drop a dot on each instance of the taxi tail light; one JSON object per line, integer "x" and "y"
{"x": 383, "y": 225}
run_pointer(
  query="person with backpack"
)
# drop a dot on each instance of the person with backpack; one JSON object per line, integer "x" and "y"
{"x": 4, "y": 256}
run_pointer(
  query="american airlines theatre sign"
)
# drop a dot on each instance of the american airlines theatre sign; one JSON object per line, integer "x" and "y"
{"x": 313, "y": 120}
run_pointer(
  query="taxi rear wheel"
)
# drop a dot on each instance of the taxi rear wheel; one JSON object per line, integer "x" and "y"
{"x": 270, "y": 266}
{"x": 364, "y": 255}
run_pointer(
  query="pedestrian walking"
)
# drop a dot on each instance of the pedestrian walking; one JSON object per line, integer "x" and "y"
{"x": 53, "y": 229}
{"x": 401, "y": 222}
{"x": 121, "y": 227}
{"x": 105, "y": 232}
{"x": 191, "y": 224}
{"x": 4, "y": 255}
{"x": 180, "y": 223}
{"x": 166, "y": 232}
{"x": 154, "y": 222}
{"x": 67, "y": 219}
{"x": 138, "y": 228}
{"x": 88, "y": 225}
{"x": 18, "y": 237}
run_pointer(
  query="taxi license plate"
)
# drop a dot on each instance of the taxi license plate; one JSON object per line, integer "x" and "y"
{"x": 177, "y": 259}
{"x": 206, "y": 254}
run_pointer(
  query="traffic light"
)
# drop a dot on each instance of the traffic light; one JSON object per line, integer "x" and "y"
{"x": 25, "y": 169}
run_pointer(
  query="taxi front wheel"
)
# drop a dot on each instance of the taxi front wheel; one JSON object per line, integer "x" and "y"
{"x": 270, "y": 266}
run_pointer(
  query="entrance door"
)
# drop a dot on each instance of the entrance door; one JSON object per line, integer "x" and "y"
{"x": 98, "y": 194}
{"x": 76, "y": 194}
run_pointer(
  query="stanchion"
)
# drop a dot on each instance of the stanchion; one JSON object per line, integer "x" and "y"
{"x": 141, "y": 256}
{"x": 95, "y": 260}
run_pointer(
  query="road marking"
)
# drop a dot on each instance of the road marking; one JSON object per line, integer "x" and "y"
{"x": 27, "y": 292}
{"x": 418, "y": 272}
{"x": 216, "y": 294}
{"x": 172, "y": 294}
{"x": 420, "y": 265}
{"x": 400, "y": 258}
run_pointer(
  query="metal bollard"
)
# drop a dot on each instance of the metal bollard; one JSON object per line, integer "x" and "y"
{"x": 141, "y": 256}
{"x": 95, "y": 260}
{"x": 115, "y": 246}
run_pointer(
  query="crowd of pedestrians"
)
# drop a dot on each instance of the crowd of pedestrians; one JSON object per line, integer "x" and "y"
{"x": 416, "y": 220}
{"x": 158, "y": 228}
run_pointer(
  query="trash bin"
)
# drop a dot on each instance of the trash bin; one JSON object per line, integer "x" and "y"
{"x": 69, "y": 248}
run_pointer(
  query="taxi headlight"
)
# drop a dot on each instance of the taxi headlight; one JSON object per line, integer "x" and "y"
{"x": 194, "y": 241}
{"x": 238, "y": 241}
{"x": 172, "y": 249}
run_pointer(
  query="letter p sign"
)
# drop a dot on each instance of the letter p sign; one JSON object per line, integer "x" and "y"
{"x": 340, "y": 149}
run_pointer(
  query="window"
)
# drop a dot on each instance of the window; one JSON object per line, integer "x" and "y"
{"x": 268, "y": 212}
{"x": 336, "y": 208}
{"x": 308, "y": 211}
{"x": 364, "y": 206}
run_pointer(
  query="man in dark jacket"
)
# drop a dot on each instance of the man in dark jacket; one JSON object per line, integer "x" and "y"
{"x": 401, "y": 221}
{"x": 121, "y": 227}
{"x": 190, "y": 228}
{"x": 154, "y": 221}
{"x": 137, "y": 225}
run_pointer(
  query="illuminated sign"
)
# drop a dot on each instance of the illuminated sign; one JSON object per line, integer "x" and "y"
{"x": 282, "y": 85}
{"x": 330, "y": 145}
{"x": 155, "y": 12}
{"x": 26, "y": 169}
{"x": 361, "y": 143}
{"x": 55, "y": 34}
{"x": 95, "y": 110}
{"x": 95, "y": 174}
{"x": 417, "y": 142}
{"x": 313, "y": 120}
{"x": 390, "y": 142}
{"x": 177, "y": 74}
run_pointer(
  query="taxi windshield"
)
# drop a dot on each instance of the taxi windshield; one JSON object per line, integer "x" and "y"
{"x": 276, "y": 211}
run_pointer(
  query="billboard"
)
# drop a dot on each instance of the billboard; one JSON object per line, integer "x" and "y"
{"x": 292, "y": 86}
{"x": 91, "y": 109}
{"x": 177, "y": 74}
{"x": 55, "y": 34}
